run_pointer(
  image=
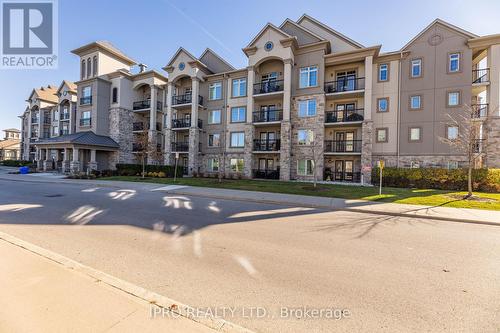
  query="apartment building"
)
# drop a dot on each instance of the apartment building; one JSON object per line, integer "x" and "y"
{"x": 10, "y": 146}
{"x": 311, "y": 103}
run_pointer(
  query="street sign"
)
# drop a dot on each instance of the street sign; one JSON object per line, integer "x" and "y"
{"x": 176, "y": 155}
{"x": 381, "y": 165}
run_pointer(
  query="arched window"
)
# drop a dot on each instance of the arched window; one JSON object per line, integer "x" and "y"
{"x": 89, "y": 68}
{"x": 95, "y": 65}
{"x": 83, "y": 69}
{"x": 115, "y": 95}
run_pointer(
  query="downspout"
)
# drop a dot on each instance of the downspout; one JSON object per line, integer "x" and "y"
{"x": 224, "y": 123}
{"x": 398, "y": 125}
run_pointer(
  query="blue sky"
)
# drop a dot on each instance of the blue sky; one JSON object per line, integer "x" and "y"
{"x": 150, "y": 31}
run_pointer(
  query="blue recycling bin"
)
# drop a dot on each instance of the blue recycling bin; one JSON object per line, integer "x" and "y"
{"x": 24, "y": 170}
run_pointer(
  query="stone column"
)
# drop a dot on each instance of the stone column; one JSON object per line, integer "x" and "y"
{"x": 249, "y": 129}
{"x": 72, "y": 118}
{"x": 75, "y": 163}
{"x": 492, "y": 124}
{"x": 47, "y": 162}
{"x": 168, "y": 125}
{"x": 38, "y": 157}
{"x": 286, "y": 127}
{"x": 152, "y": 138}
{"x": 367, "y": 126}
{"x": 65, "y": 161}
{"x": 194, "y": 135}
{"x": 93, "y": 162}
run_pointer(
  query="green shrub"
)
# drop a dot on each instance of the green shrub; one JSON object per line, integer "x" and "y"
{"x": 487, "y": 180}
{"x": 136, "y": 169}
{"x": 16, "y": 163}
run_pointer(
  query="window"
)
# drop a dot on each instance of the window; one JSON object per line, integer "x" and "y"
{"x": 86, "y": 115}
{"x": 239, "y": 87}
{"x": 382, "y": 134}
{"x": 238, "y": 114}
{"x": 215, "y": 91}
{"x": 83, "y": 69}
{"x": 383, "y": 72}
{"x": 55, "y": 131}
{"x": 89, "y": 68}
{"x": 454, "y": 62}
{"x": 307, "y": 108}
{"x": 416, "y": 68}
{"x": 453, "y": 98}
{"x": 213, "y": 164}
{"x": 115, "y": 95}
{"x": 452, "y": 132}
{"x": 383, "y": 104}
{"x": 308, "y": 77}
{"x": 87, "y": 91}
{"x": 214, "y": 117}
{"x": 237, "y": 164}
{"x": 214, "y": 140}
{"x": 238, "y": 139}
{"x": 415, "y": 102}
{"x": 305, "y": 167}
{"x": 415, "y": 133}
{"x": 94, "y": 65}
{"x": 305, "y": 137}
{"x": 452, "y": 164}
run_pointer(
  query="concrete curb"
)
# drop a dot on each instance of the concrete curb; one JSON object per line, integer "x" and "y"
{"x": 219, "y": 325}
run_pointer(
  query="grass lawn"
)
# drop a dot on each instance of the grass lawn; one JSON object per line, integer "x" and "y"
{"x": 390, "y": 194}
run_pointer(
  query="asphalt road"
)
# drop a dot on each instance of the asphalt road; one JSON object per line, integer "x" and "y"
{"x": 260, "y": 265}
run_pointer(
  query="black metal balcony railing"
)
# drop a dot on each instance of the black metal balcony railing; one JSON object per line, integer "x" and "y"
{"x": 345, "y": 146}
{"x": 266, "y": 174}
{"x": 35, "y": 137}
{"x": 86, "y": 100}
{"x": 344, "y": 116}
{"x": 47, "y": 121}
{"x": 345, "y": 84}
{"x": 180, "y": 146}
{"x": 266, "y": 145}
{"x": 64, "y": 116}
{"x": 480, "y": 75}
{"x": 343, "y": 176}
{"x": 185, "y": 123}
{"x": 64, "y": 132}
{"x": 185, "y": 99}
{"x": 146, "y": 104}
{"x": 137, "y": 147}
{"x": 479, "y": 110}
{"x": 478, "y": 145}
{"x": 269, "y": 86}
{"x": 85, "y": 121}
{"x": 34, "y": 120}
{"x": 140, "y": 126}
{"x": 267, "y": 116}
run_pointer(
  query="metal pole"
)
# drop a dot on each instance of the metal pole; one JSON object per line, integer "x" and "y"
{"x": 380, "y": 187}
{"x": 175, "y": 169}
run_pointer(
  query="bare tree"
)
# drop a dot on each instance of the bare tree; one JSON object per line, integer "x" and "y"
{"x": 467, "y": 141}
{"x": 144, "y": 148}
{"x": 316, "y": 153}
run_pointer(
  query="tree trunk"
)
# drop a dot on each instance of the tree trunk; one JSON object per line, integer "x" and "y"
{"x": 143, "y": 168}
{"x": 469, "y": 181}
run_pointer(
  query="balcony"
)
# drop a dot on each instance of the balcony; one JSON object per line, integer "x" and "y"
{"x": 145, "y": 105}
{"x": 85, "y": 121}
{"x": 64, "y": 132}
{"x": 47, "y": 121}
{"x": 34, "y": 120}
{"x": 266, "y": 87}
{"x": 342, "y": 176}
{"x": 479, "y": 110}
{"x": 140, "y": 126}
{"x": 86, "y": 100}
{"x": 180, "y": 146}
{"x": 266, "y": 174}
{"x": 137, "y": 147}
{"x": 480, "y": 76}
{"x": 185, "y": 123}
{"x": 344, "y": 146}
{"x": 344, "y": 116}
{"x": 185, "y": 99}
{"x": 347, "y": 84}
{"x": 266, "y": 145}
{"x": 267, "y": 116}
{"x": 64, "y": 116}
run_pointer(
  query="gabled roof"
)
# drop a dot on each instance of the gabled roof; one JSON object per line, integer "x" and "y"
{"x": 268, "y": 26}
{"x": 47, "y": 94}
{"x": 106, "y": 46}
{"x": 444, "y": 24}
{"x": 181, "y": 49}
{"x": 329, "y": 29}
{"x": 71, "y": 86}
{"x": 304, "y": 29}
{"x": 222, "y": 60}
{"x": 88, "y": 138}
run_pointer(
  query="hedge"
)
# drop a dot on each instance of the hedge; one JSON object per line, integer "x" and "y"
{"x": 487, "y": 180}
{"x": 16, "y": 163}
{"x": 136, "y": 169}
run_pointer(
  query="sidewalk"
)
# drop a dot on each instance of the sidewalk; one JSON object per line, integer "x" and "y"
{"x": 39, "y": 295}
